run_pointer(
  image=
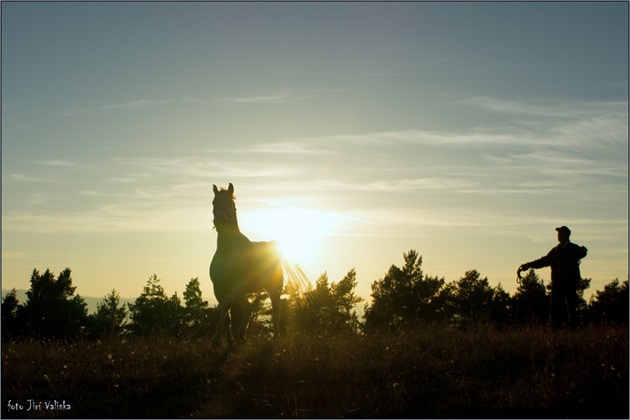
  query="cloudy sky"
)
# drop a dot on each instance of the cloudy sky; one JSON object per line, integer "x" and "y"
{"x": 353, "y": 132}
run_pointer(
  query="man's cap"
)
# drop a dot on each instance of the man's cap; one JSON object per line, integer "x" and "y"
{"x": 563, "y": 229}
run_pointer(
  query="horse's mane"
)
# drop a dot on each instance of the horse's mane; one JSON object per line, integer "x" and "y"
{"x": 223, "y": 189}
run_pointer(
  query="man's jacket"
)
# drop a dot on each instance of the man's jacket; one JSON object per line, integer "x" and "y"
{"x": 564, "y": 261}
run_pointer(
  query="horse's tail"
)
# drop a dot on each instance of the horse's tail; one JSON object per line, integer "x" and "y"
{"x": 296, "y": 277}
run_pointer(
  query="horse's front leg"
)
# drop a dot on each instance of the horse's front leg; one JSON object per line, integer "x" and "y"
{"x": 224, "y": 318}
{"x": 246, "y": 314}
{"x": 228, "y": 325}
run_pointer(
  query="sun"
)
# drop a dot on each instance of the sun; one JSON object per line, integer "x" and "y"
{"x": 299, "y": 236}
{"x": 297, "y": 230}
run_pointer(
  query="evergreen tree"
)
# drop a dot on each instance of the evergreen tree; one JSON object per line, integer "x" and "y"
{"x": 531, "y": 301}
{"x": 611, "y": 304}
{"x": 427, "y": 291}
{"x": 51, "y": 310}
{"x": 403, "y": 296}
{"x": 344, "y": 318}
{"x": 10, "y": 326}
{"x": 290, "y": 305}
{"x": 582, "y": 306}
{"x": 445, "y": 302}
{"x": 312, "y": 311}
{"x": 329, "y": 307}
{"x": 175, "y": 315}
{"x": 110, "y": 316}
{"x": 154, "y": 312}
{"x": 501, "y": 306}
{"x": 473, "y": 297}
{"x": 195, "y": 313}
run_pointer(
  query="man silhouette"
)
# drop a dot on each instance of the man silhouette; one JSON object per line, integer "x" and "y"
{"x": 564, "y": 260}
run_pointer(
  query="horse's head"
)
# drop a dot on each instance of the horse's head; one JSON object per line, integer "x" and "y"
{"x": 223, "y": 207}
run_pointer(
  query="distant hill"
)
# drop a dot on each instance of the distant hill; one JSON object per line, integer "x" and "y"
{"x": 91, "y": 301}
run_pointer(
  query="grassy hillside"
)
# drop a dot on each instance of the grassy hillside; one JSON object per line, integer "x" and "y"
{"x": 428, "y": 372}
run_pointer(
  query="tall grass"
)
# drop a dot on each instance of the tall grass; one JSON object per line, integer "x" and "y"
{"x": 432, "y": 371}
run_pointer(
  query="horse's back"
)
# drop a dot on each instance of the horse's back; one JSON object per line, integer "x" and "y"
{"x": 269, "y": 248}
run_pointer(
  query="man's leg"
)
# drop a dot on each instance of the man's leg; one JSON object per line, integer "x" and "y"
{"x": 558, "y": 309}
{"x": 572, "y": 303}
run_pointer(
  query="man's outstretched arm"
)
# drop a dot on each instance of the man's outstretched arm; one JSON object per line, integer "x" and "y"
{"x": 539, "y": 263}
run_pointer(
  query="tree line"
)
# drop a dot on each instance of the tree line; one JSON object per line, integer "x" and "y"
{"x": 403, "y": 298}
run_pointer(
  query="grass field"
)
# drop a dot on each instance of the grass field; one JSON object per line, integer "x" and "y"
{"x": 432, "y": 371}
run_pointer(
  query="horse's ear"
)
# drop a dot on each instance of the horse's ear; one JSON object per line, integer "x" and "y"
{"x": 231, "y": 189}
{"x": 215, "y": 189}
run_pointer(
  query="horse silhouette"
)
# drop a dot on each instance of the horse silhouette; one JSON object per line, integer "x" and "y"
{"x": 240, "y": 267}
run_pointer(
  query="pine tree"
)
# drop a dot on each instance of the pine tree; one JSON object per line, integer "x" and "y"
{"x": 329, "y": 307}
{"x": 154, "y": 312}
{"x": 195, "y": 312}
{"x": 473, "y": 297}
{"x": 611, "y": 304}
{"x": 110, "y": 316}
{"x": 51, "y": 310}
{"x": 531, "y": 301}
{"x": 404, "y": 296}
{"x": 10, "y": 303}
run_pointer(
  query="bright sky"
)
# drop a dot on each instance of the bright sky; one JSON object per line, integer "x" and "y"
{"x": 352, "y": 132}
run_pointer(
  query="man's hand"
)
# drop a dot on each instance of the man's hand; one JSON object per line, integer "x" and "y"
{"x": 518, "y": 274}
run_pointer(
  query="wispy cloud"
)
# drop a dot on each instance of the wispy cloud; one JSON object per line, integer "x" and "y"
{"x": 36, "y": 175}
{"x": 37, "y": 199}
{"x": 137, "y": 104}
{"x": 327, "y": 213}
{"x": 109, "y": 219}
{"x": 200, "y": 167}
{"x": 130, "y": 194}
{"x": 272, "y": 99}
{"x": 586, "y": 131}
{"x": 393, "y": 185}
{"x": 525, "y": 156}
{"x": 287, "y": 148}
{"x": 142, "y": 104}
{"x": 547, "y": 108}
{"x": 476, "y": 136}
{"x": 596, "y": 132}
{"x": 29, "y": 178}
{"x": 56, "y": 163}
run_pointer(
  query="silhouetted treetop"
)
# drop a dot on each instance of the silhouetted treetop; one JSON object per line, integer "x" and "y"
{"x": 51, "y": 310}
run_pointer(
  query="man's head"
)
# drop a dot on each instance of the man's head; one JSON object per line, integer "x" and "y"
{"x": 563, "y": 234}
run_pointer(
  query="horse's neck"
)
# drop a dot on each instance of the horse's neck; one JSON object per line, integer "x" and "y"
{"x": 231, "y": 237}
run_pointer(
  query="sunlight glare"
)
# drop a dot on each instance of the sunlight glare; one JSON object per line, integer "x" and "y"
{"x": 298, "y": 231}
